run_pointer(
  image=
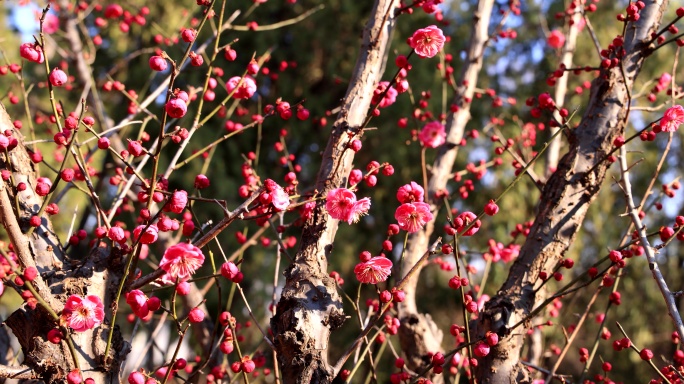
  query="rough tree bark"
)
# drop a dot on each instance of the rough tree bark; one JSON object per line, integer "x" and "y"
{"x": 203, "y": 331}
{"x": 418, "y": 334}
{"x": 564, "y": 203}
{"x": 310, "y": 307}
{"x": 60, "y": 276}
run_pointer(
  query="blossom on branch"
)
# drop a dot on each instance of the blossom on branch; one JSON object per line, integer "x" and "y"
{"x": 32, "y": 52}
{"x": 181, "y": 261}
{"x": 410, "y": 193}
{"x": 83, "y": 313}
{"x": 275, "y": 195}
{"x": 428, "y": 41}
{"x": 342, "y": 205}
{"x": 176, "y": 108}
{"x": 389, "y": 96}
{"x": 138, "y": 302}
{"x": 146, "y": 234}
{"x": 177, "y": 202}
{"x": 672, "y": 119}
{"x": 373, "y": 271}
{"x": 432, "y": 135}
{"x": 411, "y": 217}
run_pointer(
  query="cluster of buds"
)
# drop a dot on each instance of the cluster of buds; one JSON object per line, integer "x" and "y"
{"x": 142, "y": 306}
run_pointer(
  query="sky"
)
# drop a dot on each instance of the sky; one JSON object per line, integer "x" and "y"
{"x": 23, "y": 18}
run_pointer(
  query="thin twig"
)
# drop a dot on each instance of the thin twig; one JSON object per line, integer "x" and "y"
{"x": 648, "y": 250}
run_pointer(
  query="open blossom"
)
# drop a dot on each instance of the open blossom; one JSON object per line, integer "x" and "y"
{"x": 410, "y": 193}
{"x": 281, "y": 200}
{"x": 373, "y": 271}
{"x": 83, "y": 313}
{"x": 428, "y": 41}
{"x": 556, "y": 39}
{"x": 672, "y": 119}
{"x": 432, "y": 135}
{"x": 180, "y": 261}
{"x": 275, "y": 195}
{"x": 342, "y": 205}
{"x": 411, "y": 217}
{"x": 389, "y": 97}
{"x": 246, "y": 89}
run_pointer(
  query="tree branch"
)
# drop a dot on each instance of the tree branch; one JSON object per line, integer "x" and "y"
{"x": 564, "y": 202}
{"x": 21, "y": 372}
{"x": 310, "y": 307}
{"x": 649, "y": 251}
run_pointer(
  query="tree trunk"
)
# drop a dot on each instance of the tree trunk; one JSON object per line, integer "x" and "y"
{"x": 564, "y": 203}
{"x": 59, "y": 276}
{"x": 310, "y": 307}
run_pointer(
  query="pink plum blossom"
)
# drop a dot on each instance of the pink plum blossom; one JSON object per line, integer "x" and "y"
{"x": 176, "y": 108}
{"x": 411, "y": 217}
{"x": 281, "y": 200}
{"x": 432, "y": 135}
{"x": 149, "y": 235}
{"x": 467, "y": 218}
{"x": 180, "y": 261}
{"x": 373, "y": 271}
{"x": 428, "y": 41}
{"x": 83, "y": 313}
{"x": 410, "y": 193}
{"x": 31, "y": 52}
{"x": 138, "y": 302}
{"x": 275, "y": 195}
{"x": 51, "y": 23}
{"x": 342, "y": 205}
{"x": 58, "y": 77}
{"x": 389, "y": 97}
{"x": 178, "y": 201}
{"x": 672, "y": 119}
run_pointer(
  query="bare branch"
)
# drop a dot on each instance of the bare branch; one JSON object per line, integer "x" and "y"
{"x": 668, "y": 295}
{"x": 21, "y": 372}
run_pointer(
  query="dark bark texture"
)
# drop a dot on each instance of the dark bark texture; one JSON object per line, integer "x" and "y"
{"x": 59, "y": 277}
{"x": 564, "y": 202}
{"x": 310, "y": 307}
